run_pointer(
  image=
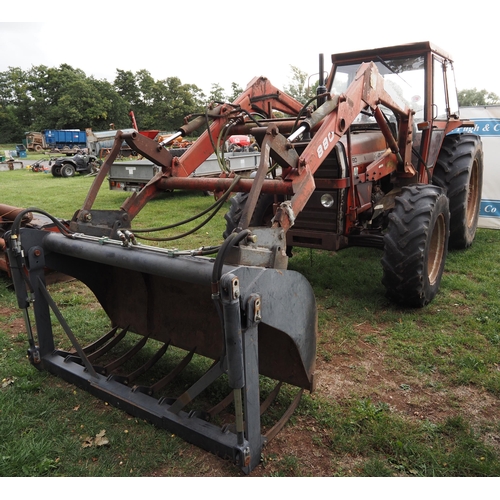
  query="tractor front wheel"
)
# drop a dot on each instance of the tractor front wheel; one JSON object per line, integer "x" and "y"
{"x": 415, "y": 245}
{"x": 262, "y": 214}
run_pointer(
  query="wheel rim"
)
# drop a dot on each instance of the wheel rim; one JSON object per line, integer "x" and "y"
{"x": 473, "y": 194}
{"x": 436, "y": 250}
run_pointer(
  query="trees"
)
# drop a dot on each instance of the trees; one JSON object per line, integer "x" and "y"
{"x": 218, "y": 94}
{"x": 14, "y": 105}
{"x": 171, "y": 102}
{"x": 299, "y": 85}
{"x": 474, "y": 97}
{"x": 160, "y": 104}
{"x": 236, "y": 90}
{"x": 65, "y": 98}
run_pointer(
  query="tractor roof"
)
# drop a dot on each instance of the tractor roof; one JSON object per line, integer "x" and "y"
{"x": 388, "y": 52}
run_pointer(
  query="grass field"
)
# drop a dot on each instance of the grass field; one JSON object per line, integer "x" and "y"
{"x": 412, "y": 393}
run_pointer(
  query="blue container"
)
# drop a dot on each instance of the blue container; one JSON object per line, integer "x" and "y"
{"x": 66, "y": 138}
{"x": 21, "y": 151}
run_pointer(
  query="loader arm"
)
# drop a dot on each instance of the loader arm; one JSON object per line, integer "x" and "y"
{"x": 260, "y": 98}
{"x": 335, "y": 117}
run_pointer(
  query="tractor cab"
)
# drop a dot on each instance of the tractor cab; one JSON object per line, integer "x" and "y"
{"x": 417, "y": 76}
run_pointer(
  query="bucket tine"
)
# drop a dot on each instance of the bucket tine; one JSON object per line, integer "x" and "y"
{"x": 270, "y": 398}
{"x": 127, "y": 379}
{"x": 208, "y": 378}
{"x": 106, "y": 348}
{"x": 167, "y": 378}
{"x": 123, "y": 359}
{"x": 90, "y": 348}
{"x": 220, "y": 406}
{"x": 285, "y": 417}
{"x": 229, "y": 399}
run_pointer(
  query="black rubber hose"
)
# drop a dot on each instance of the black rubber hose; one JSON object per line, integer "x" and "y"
{"x": 232, "y": 240}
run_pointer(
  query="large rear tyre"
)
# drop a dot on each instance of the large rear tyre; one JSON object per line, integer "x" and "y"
{"x": 415, "y": 245}
{"x": 459, "y": 172}
{"x": 262, "y": 214}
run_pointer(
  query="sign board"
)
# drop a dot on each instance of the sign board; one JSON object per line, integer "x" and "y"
{"x": 487, "y": 125}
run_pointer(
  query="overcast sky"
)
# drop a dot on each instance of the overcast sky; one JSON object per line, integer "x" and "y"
{"x": 228, "y": 41}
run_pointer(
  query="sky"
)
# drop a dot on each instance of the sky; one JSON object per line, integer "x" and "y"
{"x": 221, "y": 41}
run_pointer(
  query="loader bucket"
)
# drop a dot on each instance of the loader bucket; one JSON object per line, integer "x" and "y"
{"x": 261, "y": 326}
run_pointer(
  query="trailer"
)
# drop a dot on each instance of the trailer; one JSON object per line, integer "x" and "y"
{"x": 52, "y": 139}
{"x": 134, "y": 175}
{"x": 72, "y": 141}
{"x": 100, "y": 143}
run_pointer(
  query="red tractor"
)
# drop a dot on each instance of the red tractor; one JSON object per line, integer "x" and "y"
{"x": 376, "y": 158}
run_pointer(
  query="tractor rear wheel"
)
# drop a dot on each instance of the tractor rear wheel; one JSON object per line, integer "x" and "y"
{"x": 262, "y": 214}
{"x": 415, "y": 245}
{"x": 459, "y": 172}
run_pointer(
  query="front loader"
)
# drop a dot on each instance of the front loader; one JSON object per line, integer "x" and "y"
{"x": 376, "y": 158}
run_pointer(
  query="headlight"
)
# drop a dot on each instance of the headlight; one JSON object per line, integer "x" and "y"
{"x": 327, "y": 200}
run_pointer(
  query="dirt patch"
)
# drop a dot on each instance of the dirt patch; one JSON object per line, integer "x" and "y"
{"x": 358, "y": 370}
{"x": 15, "y": 326}
{"x": 303, "y": 448}
{"x": 367, "y": 376}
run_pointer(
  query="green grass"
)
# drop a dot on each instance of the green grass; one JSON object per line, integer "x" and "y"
{"x": 61, "y": 197}
{"x": 401, "y": 392}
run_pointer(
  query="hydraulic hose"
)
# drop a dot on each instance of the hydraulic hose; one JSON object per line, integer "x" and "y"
{"x": 216, "y": 206}
{"x": 16, "y": 225}
{"x": 232, "y": 240}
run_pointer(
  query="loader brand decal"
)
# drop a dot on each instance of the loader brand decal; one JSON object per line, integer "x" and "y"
{"x": 490, "y": 208}
{"x": 485, "y": 127}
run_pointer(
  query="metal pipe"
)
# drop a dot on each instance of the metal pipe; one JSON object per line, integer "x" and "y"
{"x": 270, "y": 186}
{"x": 135, "y": 258}
{"x": 170, "y": 138}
